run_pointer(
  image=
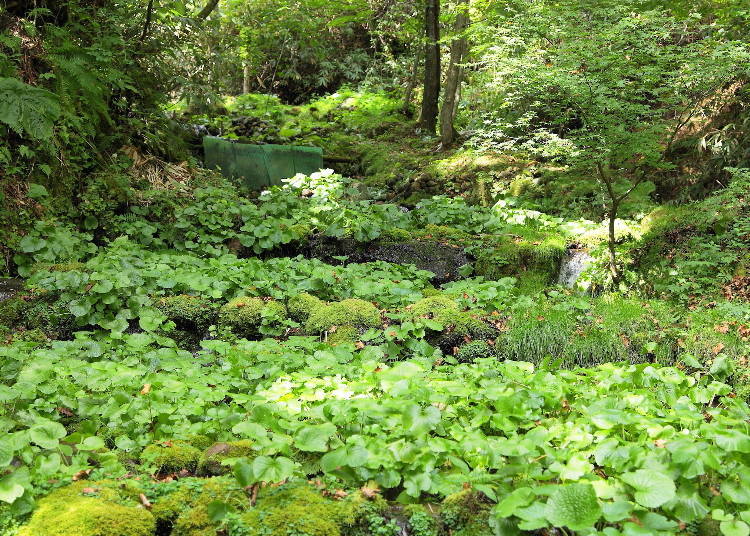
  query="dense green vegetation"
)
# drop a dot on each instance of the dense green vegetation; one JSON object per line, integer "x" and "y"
{"x": 518, "y": 302}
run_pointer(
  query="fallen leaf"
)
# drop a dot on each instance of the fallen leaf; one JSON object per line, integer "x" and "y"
{"x": 146, "y": 389}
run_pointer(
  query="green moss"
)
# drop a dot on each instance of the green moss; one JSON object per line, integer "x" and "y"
{"x": 457, "y": 325}
{"x": 466, "y": 513}
{"x": 433, "y": 306}
{"x": 190, "y": 313}
{"x": 171, "y": 456}
{"x": 531, "y": 251}
{"x": 443, "y": 233}
{"x": 422, "y": 521}
{"x": 37, "y": 311}
{"x": 71, "y": 512}
{"x": 247, "y": 316}
{"x": 302, "y": 305}
{"x": 354, "y": 313}
{"x": 470, "y": 352}
{"x": 395, "y": 235}
{"x": 12, "y": 311}
{"x": 184, "y": 508}
{"x": 300, "y": 510}
{"x": 210, "y": 462}
{"x": 343, "y": 335}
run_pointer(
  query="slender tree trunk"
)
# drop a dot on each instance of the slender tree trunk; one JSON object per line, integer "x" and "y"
{"x": 431, "y": 95}
{"x": 614, "y": 205}
{"x": 413, "y": 79}
{"x": 459, "y": 52}
{"x": 613, "y": 268}
{"x": 246, "y": 77}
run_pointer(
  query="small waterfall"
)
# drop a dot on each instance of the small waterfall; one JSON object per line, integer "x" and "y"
{"x": 573, "y": 264}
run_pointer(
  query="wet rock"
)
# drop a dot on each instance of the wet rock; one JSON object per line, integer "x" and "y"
{"x": 441, "y": 259}
{"x": 9, "y": 288}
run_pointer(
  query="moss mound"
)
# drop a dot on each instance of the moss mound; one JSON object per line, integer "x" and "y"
{"x": 353, "y": 313}
{"x": 210, "y": 462}
{"x": 84, "y": 509}
{"x": 252, "y": 317}
{"x": 189, "y": 313}
{"x": 301, "y": 306}
{"x": 536, "y": 253}
{"x": 300, "y": 510}
{"x": 466, "y": 513}
{"x": 171, "y": 456}
{"x": 183, "y": 509}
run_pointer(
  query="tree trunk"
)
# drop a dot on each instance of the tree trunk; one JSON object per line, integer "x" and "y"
{"x": 413, "y": 79}
{"x": 459, "y": 52}
{"x": 431, "y": 95}
{"x": 246, "y": 78}
{"x": 613, "y": 268}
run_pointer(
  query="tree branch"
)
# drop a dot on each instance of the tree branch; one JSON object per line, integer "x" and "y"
{"x": 206, "y": 11}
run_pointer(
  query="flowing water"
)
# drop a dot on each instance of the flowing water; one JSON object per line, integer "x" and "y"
{"x": 573, "y": 264}
{"x": 9, "y": 288}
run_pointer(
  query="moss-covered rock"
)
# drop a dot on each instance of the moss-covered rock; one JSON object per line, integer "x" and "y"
{"x": 470, "y": 352}
{"x": 466, "y": 513}
{"x": 37, "y": 311}
{"x": 539, "y": 253}
{"x": 302, "y": 305}
{"x": 353, "y": 313}
{"x": 85, "y": 509}
{"x": 171, "y": 456}
{"x": 300, "y": 510}
{"x": 458, "y": 326}
{"x": 210, "y": 462}
{"x": 189, "y": 313}
{"x": 247, "y": 317}
{"x": 183, "y": 511}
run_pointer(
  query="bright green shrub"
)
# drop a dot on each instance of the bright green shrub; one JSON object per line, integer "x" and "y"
{"x": 69, "y": 511}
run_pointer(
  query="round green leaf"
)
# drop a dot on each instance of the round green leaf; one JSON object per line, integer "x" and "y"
{"x": 47, "y": 435}
{"x": 574, "y": 506}
{"x": 734, "y": 528}
{"x": 652, "y": 489}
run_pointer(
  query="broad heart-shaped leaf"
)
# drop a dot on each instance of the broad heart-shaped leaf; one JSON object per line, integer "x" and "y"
{"x": 734, "y": 528}
{"x": 243, "y": 472}
{"x": 652, "y": 488}
{"x": 10, "y": 490}
{"x": 574, "y": 506}
{"x": 351, "y": 455}
{"x": 314, "y": 438}
{"x": 418, "y": 421}
{"x": 217, "y": 510}
{"x": 6, "y": 452}
{"x": 47, "y": 435}
{"x": 267, "y": 469}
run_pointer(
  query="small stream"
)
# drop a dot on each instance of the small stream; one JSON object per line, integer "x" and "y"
{"x": 9, "y": 288}
{"x": 572, "y": 266}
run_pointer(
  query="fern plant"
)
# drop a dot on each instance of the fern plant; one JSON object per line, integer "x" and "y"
{"x": 27, "y": 109}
